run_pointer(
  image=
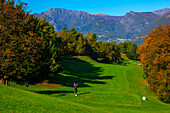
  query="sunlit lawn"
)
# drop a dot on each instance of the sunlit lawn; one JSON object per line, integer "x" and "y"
{"x": 103, "y": 87}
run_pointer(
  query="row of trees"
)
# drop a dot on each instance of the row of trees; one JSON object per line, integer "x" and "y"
{"x": 31, "y": 49}
{"x": 155, "y": 55}
{"x": 73, "y": 43}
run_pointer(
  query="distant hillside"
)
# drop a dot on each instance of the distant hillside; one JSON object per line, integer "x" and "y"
{"x": 107, "y": 17}
{"x": 108, "y": 28}
{"x": 133, "y": 23}
{"x": 163, "y": 20}
{"x": 100, "y": 26}
{"x": 129, "y": 25}
{"x": 65, "y": 18}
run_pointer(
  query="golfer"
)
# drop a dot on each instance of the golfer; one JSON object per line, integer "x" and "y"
{"x": 75, "y": 88}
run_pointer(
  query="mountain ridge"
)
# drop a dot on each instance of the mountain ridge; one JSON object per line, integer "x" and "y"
{"x": 163, "y": 20}
{"x": 105, "y": 26}
{"x": 160, "y": 12}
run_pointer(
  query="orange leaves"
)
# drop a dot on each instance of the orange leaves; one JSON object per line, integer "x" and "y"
{"x": 155, "y": 54}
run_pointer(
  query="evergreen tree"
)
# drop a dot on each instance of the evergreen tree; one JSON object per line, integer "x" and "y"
{"x": 132, "y": 51}
{"x": 80, "y": 48}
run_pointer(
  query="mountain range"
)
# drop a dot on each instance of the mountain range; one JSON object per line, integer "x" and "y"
{"x": 130, "y": 26}
{"x": 163, "y": 20}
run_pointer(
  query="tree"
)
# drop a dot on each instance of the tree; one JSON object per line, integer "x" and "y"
{"x": 114, "y": 52}
{"x": 80, "y": 48}
{"x": 132, "y": 51}
{"x": 64, "y": 41}
{"x": 155, "y": 55}
{"x": 28, "y": 45}
{"x": 124, "y": 46}
{"x": 72, "y": 42}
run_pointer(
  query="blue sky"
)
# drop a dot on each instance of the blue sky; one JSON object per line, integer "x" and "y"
{"x": 110, "y": 7}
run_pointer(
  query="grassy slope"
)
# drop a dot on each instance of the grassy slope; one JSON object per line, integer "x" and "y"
{"x": 16, "y": 100}
{"x": 102, "y": 88}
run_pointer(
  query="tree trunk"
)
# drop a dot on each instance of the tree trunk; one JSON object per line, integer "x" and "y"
{"x": 1, "y": 81}
{"x": 4, "y": 81}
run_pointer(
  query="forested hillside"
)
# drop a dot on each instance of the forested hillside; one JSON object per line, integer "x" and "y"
{"x": 108, "y": 28}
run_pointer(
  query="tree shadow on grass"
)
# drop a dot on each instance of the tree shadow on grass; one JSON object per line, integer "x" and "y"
{"x": 70, "y": 80}
{"x": 83, "y": 93}
{"x": 78, "y": 71}
{"x": 59, "y": 93}
{"x": 48, "y": 92}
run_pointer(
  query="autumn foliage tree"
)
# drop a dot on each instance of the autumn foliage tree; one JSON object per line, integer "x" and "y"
{"x": 155, "y": 55}
{"x": 28, "y": 45}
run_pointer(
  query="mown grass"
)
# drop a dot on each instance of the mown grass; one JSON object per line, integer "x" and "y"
{"x": 102, "y": 88}
{"x": 13, "y": 100}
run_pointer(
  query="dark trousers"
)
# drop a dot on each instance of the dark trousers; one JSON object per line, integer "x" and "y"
{"x": 75, "y": 91}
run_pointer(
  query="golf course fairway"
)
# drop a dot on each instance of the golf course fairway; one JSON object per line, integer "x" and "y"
{"x": 102, "y": 88}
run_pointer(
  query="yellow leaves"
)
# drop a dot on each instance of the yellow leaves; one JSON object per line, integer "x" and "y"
{"x": 32, "y": 60}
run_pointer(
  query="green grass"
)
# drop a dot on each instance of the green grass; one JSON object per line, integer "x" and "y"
{"x": 102, "y": 88}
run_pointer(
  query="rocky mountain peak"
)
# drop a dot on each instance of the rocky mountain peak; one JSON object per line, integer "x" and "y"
{"x": 131, "y": 12}
{"x": 160, "y": 12}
